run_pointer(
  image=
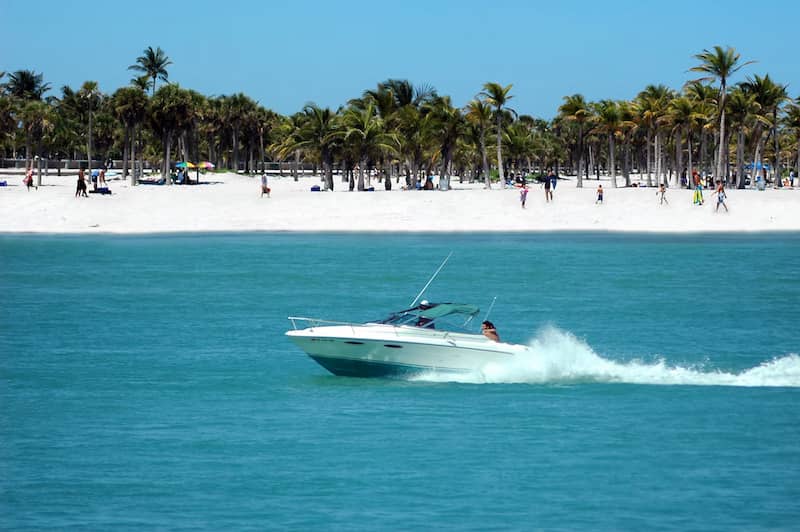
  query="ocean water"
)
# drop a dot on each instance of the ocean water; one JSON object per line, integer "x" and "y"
{"x": 145, "y": 383}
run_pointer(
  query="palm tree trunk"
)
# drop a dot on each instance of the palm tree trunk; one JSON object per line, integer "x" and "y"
{"x": 125, "y": 149}
{"x": 89, "y": 152}
{"x": 626, "y": 161}
{"x": 235, "y": 142}
{"x": 740, "y": 181}
{"x": 485, "y": 160}
{"x": 721, "y": 150}
{"x": 678, "y": 156}
{"x": 691, "y": 164}
{"x": 500, "y": 150}
{"x": 777, "y": 146}
{"x": 168, "y": 138}
{"x": 648, "y": 163}
{"x": 657, "y": 157}
{"x": 580, "y": 157}
{"x": 612, "y": 171}
{"x": 133, "y": 158}
{"x": 757, "y": 157}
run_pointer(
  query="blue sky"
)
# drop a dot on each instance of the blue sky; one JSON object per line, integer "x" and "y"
{"x": 288, "y": 53}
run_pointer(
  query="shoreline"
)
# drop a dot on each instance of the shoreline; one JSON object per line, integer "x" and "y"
{"x": 231, "y": 203}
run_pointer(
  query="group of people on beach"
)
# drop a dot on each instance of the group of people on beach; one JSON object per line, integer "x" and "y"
{"x": 98, "y": 183}
{"x": 549, "y": 183}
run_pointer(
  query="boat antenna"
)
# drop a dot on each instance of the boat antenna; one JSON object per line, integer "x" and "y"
{"x": 430, "y": 280}
{"x": 490, "y": 309}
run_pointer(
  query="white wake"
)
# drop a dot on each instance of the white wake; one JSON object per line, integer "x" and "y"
{"x": 558, "y": 357}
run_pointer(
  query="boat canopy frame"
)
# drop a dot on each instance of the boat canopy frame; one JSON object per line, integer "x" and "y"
{"x": 426, "y": 314}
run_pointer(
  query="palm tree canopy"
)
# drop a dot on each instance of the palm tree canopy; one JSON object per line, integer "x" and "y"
{"x": 575, "y": 109}
{"x": 26, "y": 85}
{"x": 719, "y": 64}
{"x": 153, "y": 63}
{"x": 496, "y": 95}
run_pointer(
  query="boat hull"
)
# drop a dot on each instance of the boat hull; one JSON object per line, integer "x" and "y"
{"x": 377, "y": 350}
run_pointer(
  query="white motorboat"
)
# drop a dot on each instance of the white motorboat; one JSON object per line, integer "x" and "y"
{"x": 430, "y": 337}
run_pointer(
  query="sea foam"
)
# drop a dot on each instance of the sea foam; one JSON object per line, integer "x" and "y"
{"x": 558, "y": 357}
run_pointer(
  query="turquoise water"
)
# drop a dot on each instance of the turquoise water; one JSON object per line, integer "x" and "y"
{"x": 145, "y": 383}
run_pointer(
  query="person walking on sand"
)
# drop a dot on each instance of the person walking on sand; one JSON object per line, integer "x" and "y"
{"x": 29, "y": 179}
{"x": 101, "y": 180}
{"x": 599, "y": 195}
{"x": 523, "y": 194}
{"x": 264, "y": 188}
{"x": 697, "y": 199}
{"x": 720, "y": 192}
{"x": 662, "y": 189}
{"x": 548, "y": 194}
{"x": 81, "y": 189}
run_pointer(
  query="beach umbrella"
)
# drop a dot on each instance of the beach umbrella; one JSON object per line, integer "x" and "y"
{"x": 206, "y": 165}
{"x": 184, "y": 164}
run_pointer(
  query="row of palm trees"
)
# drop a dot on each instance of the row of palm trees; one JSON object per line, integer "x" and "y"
{"x": 401, "y": 131}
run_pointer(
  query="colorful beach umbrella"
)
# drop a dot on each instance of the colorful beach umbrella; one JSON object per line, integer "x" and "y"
{"x": 184, "y": 164}
{"x": 207, "y": 165}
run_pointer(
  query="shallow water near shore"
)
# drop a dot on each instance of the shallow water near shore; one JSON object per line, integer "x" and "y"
{"x": 145, "y": 382}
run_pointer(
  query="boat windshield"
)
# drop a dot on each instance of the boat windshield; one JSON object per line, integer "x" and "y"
{"x": 434, "y": 315}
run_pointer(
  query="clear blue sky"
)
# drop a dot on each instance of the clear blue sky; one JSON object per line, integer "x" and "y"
{"x": 287, "y": 53}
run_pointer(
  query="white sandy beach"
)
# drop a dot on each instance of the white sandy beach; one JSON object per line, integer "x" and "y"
{"x": 230, "y": 202}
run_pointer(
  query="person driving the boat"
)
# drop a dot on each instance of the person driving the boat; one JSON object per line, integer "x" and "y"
{"x": 422, "y": 321}
{"x": 489, "y": 331}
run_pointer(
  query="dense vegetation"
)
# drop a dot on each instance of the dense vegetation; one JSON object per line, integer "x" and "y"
{"x": 405, "y": 131}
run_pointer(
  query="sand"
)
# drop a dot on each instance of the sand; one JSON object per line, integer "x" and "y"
{"x": 231, "y": 202}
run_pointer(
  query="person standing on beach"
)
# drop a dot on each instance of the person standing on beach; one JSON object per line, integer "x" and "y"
{"x": 81, "y": 190}
{"x": 720, "y": 192}
{"x": 599, "y": 195}
{"x": 264, "y": 188}
{"x": 663, "y": 191}
{"x": 548, "y": 194}
{"x": 101, "y": 179}
{"x": 698, "y": 189}
{"x": 523, "y": 194}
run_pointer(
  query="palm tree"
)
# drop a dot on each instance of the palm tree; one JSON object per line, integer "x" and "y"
{"x": 653, "y": 104}
{"x": 609, "y": 121}
{"x": 90, "y": 94}
{"x": 26, "y": 85}
{"x": 577, "y": 111}
{"x": 363, "y": 130}
{"x": 769, "y": 96}
{"x": 681, "y": 115}
{"x": 170, "y": 112}
{"x": 742, "y": 110}
{"x": 236, "y": 109}
{"x": 479, "y": 114}
{"x": 130, "y": 106}
{"x": 792, "y": 121}
{"x": 37, "y": 118}
{"x": 448, "y": 125}
{"x": 317, "y": 134}
{"x": 703, "y": 98}
{"x": 8, "y": 123}
{"x": 152, "y": 63}
{"x": 720, "y": 65}
{"x": 497, "y": 96}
